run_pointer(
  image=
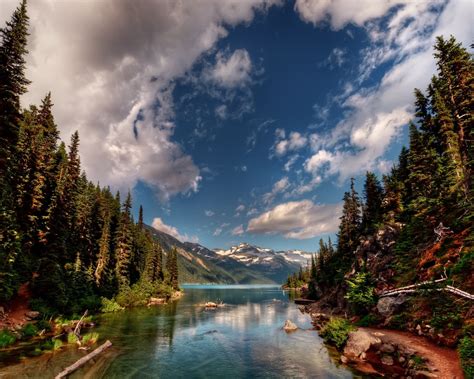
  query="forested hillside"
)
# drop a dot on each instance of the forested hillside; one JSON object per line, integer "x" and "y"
{"x": 414, "y": 225}
{"x": 73, "y": 241}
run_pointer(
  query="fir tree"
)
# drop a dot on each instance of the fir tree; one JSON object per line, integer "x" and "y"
{"x": 123, "y": 249}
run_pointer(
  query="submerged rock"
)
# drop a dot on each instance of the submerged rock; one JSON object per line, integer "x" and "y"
{"x": 32, "y": 315}
{"x": 289, "y": 326}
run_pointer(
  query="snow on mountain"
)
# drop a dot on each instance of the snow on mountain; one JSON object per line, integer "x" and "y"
{"x": 254, "y": 255}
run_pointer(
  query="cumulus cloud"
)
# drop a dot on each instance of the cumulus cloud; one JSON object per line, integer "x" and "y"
{"x": 158, "y": 224}
{"x": 123, "y": 79}
{"x": 297, "y": 219}
{"x": 238, "y": 230}
{"x": 219, "y": 229}
{"x": 209, "y": 213}
{"x": 336, "y": 58}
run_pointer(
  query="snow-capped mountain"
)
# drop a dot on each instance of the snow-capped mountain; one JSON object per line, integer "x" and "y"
{"x": 242, "y": 264}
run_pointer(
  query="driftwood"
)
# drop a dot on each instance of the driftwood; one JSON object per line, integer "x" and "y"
{"x": 414, "y": 288}
{"x": 77, "y": 329}
{"x": 69, "y": 370}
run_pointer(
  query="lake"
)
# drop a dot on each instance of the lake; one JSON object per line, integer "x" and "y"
{"x": 244, "y": 339}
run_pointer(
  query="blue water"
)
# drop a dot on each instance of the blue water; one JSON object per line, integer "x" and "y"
{"x": 182, "y": 339}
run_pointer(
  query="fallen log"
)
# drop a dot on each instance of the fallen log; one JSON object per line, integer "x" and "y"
{"x": 69, "y": 370}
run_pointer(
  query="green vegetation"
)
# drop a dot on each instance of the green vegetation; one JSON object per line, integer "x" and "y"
{"x": 90, "y": 338}
{"x": 109, "y": 306}
{"x": 72, "y": 338}
{"x": 416, "y": 223}
{"x": 74, "y": 241}
{"x": 336, "y": 331}
{"x": 6, "y": 338}
{"x": 28, "y": 331}
{"x": 360, "y": 293}
{"x": 466, "y": 352}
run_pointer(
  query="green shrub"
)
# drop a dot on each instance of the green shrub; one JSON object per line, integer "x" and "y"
{"x": 336, "y": 331}
{"x": 368, "y": 320}
{"x": 90, "y": 338}
{"x": 141, "y": 292}
{"x": 6, "y": 338}
{"x": 466, "y": 352}
{"x": 399, "y": 321}
{"x": 29, "y": 330}
{"x": 57, "y": 344}
{"x": 361, "y": 292}
{"x": 109, "y": 306}
{"x": 72, "y": 338}
{"x": 43, "y": 325}
{"x": 42, "y": 307}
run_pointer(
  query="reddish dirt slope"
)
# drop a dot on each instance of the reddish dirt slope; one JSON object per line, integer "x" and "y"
{"x": 16, "y": 308}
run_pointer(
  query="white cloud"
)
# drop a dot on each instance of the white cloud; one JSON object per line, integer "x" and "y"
{"x": 339, "y": 13}
{"x": 295, "y": 141}
{"x": 297, "y": 219}
{"x": 238, "y": 230}
{"x": 279, "y": 187}
{"x": 336, "y": 58}
{"x": 158, "y": 224}
{"x": 221, "y": 111}
{"x": 239, "y": 210}
{"x": 122, "y": 78}
{"x": 290, "y": 162}
{"x": 374, "y": 116}
{"x": 219, "y": 229}
{"x": 209, "y": 213}
{"x": 231, "y": 70}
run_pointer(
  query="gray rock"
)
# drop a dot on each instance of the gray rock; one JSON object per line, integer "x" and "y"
{"x": 289, "y": 326}
{"x": 387, "y": 360}
{"x": 388, "y": 305}
{"x": 32, "y": 315}
{"x": 401, "y": 359}
{"x": 344, "y": 359}
{"x": 387, "y": 348}
{"x": 359, "y": 342}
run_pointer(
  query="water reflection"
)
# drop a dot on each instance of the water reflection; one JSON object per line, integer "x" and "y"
{"x": 244, "y": 339}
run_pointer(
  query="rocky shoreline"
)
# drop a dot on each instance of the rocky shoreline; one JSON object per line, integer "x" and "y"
{"x": 393, "y": 354}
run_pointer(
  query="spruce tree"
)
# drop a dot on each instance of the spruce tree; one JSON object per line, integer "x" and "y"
{"x": 172, "y": 268}
{"x": 372, "y": 209}
{"x": 123, "y": 245}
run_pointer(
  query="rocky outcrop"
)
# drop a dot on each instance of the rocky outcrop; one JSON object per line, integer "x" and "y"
{"x": 358, "y": 343}
{"x": 289, "y": 326}
{"x": 389, "y": 305}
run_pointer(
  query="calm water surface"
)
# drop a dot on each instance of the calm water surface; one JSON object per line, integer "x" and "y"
{"x": 244, "y": 339}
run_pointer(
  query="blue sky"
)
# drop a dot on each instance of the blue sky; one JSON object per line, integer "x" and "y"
{"x": 237, "y": 121}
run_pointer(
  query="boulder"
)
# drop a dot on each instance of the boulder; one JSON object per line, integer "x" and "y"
{"x": 359, "y": 342}
{"x": 289, "y": 326}
{"x": 32, "y": 315}
{"x": 388, "y": 305}
{"x": 387, "y": 348}
{"x": 210, "y": 304}
{"x": 387, "y": 360}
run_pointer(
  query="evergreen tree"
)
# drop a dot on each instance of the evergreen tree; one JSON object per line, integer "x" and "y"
{"x": 12, "y": 81}
{"x": 123, "y": 249}
{"x": 349, "y": 228}
{"x": 172, "y": 268}
{"x": 372, "y": 209}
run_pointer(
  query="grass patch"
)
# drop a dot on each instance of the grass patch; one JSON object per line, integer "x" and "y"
{"x": 466, "y": 352}
{"x": 368, "y": 320}
{"x": 72, "y": 338}
{"x": 6, "y": 338}
{"x": 336, "y": 331}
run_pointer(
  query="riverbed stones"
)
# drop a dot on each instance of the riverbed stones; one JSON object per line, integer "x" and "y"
{"x": 387, "y": 348}
{"x": 387, "y": 360}
{"x": 359, "y": 342}
{"x": 289, "y": 326}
